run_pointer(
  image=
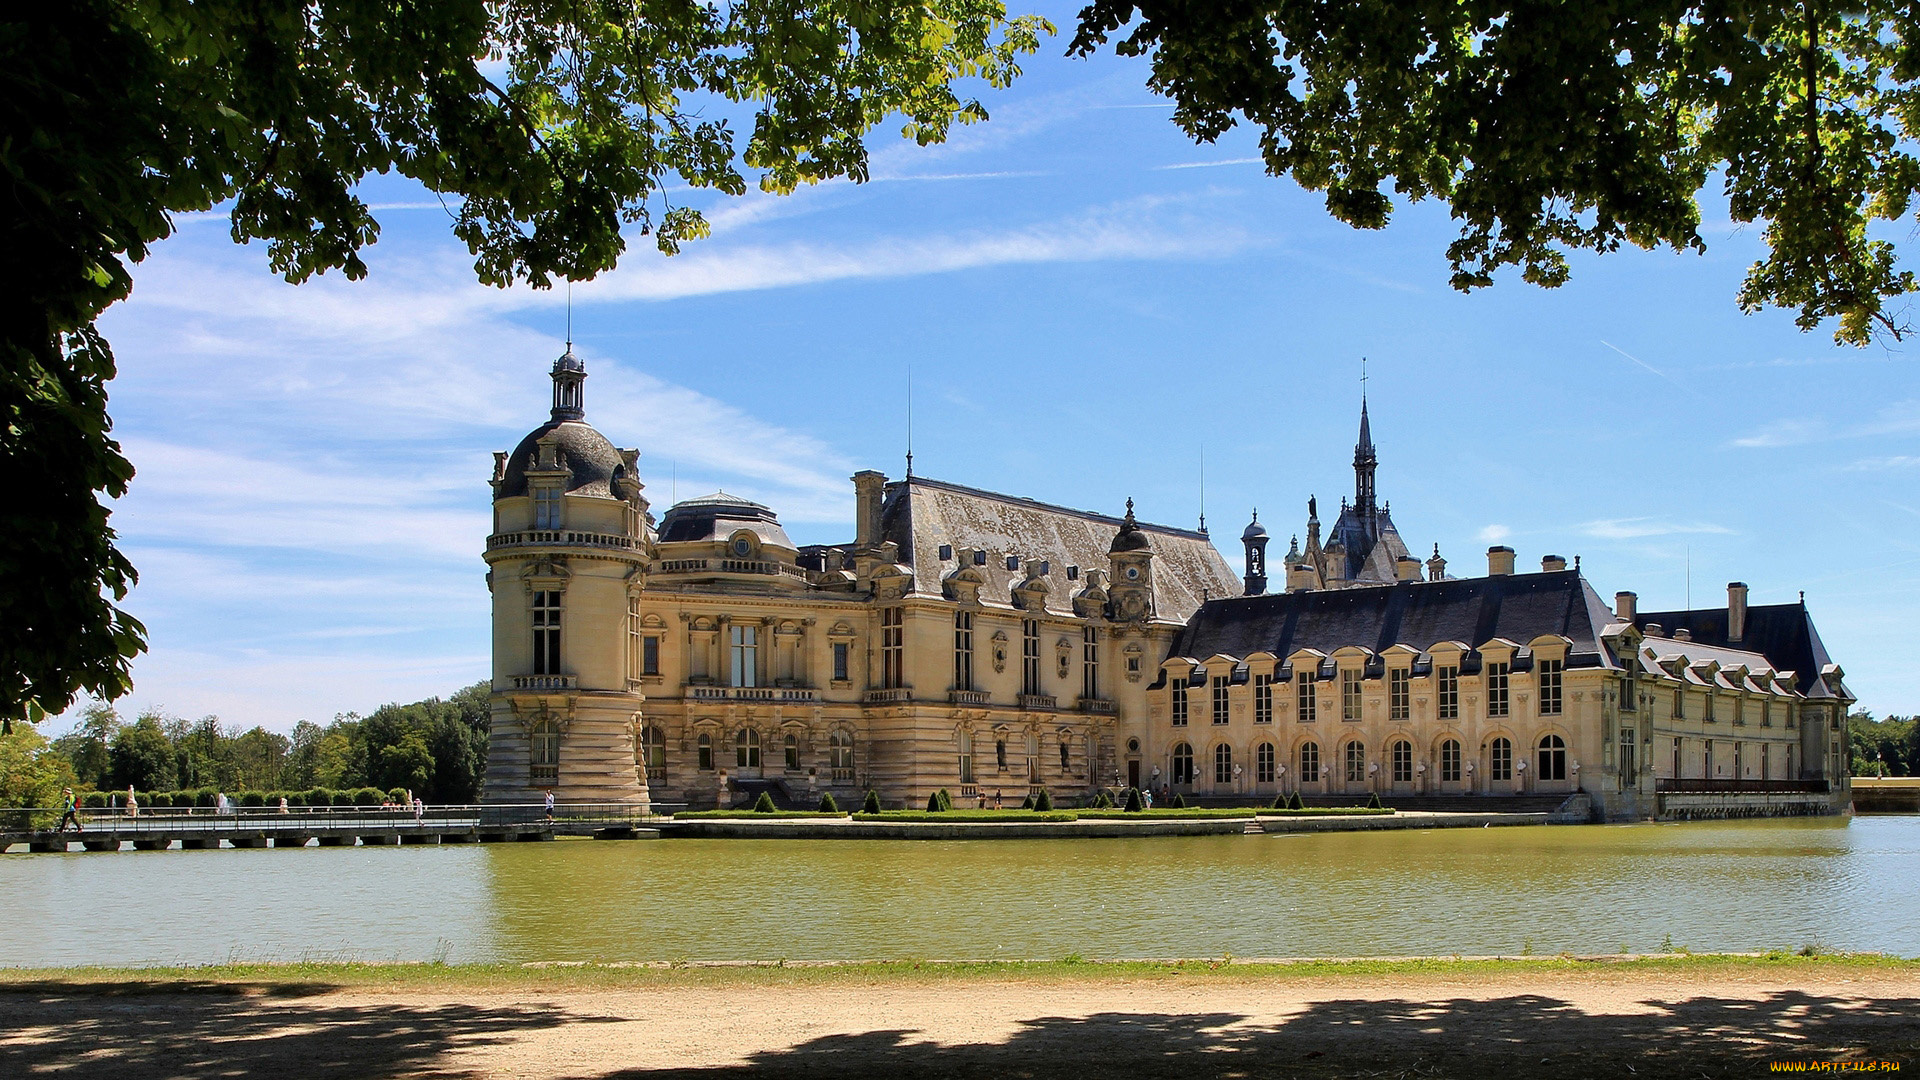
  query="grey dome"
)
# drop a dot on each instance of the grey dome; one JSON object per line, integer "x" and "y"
{"x": 590, "y": 459}
{"x": 1255, "y": 530}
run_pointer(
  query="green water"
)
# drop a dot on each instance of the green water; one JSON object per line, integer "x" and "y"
{"x": 1836, "y": 883}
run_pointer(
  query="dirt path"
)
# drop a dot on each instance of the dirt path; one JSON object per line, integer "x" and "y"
{"x": 1510, "y": 1025}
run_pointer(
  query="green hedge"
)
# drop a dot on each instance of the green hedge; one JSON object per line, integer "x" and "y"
{"x": 94, "y": 800}
{"x": 969, "y": 815}
{"x": 755, "y": 815}
{"x": 1329, "y": 811}
{"x": 1178, "y": 812}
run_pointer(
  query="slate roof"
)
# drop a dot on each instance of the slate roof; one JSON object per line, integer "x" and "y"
{"x": 922, "y": 515}
{"x": 718, "y": 516}
{"x": 1420, "y": 614}
{"x": 1783, "y": 633}
{"x": 590, "y": 459}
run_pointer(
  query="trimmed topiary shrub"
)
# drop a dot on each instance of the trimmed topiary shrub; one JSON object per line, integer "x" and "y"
{"x": 343, "y": 798}
{"x": 1178, "y": 802}
{"x": 398, "y": 795}
{"x": 1043, "y": 802}
{"x": 1373, "y": 802}
{"x": 764, "y": 804}
{"x": 1027, "y": 803}
{"x": 368, "y": 796}
{"x": 1281, "y": 802}
{"x": 94, "y": 800}
{"x": 933, "y": 803}
{"x": 157, "y": 800}
{"x": 206, "y": 796}
{"x": 1298, "y": 802}
{"x": 1105, "y": 801}
{"x": 827, "y": 805}
{"x": 946, "y": 800}
{"x": 871, "y": 804}
{"x": 252, "y": 800}
{"x": 1134, "y": 805}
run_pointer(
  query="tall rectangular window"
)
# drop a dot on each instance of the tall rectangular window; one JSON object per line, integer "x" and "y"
{"x": 840, "y": 656}
{"x": 966, "y": 757}
{"x": 1550, "y": 686}
{"x": 1766, "y": 712}
{"x": 1448, "y": 680}
{"x": 1030, "y": 656}
{"x": 1090, "y": 662}
{"x": 1740, "y": 710}
{"x": 744, "y": 649}
{"x": 1629, "y": 747}
{"x": 1450, "y": 762}
{"x": 546, "y": 632}
{"x": 1630, "y": 686}
{"x": 963, "y": 650}
{"x": 1178, "y": 695}
{"x": 893, "y": 639}
{"x": 636, "y": 644}
{"x": 1222, "y": 699}
{"x": 1498, "y": 701}
{"x": 1500, "y": 760}
{"x": 650, "y": 655}
{"x": 1399, "y": 694}
{"x": 546, "y": 508}
{"x": 1707, "y": 714}
{"x": 1264, "y": 764}
{"x": 1349, "y": 694}
{"x": 1309, "y": 763}
{"x": 1679, "y": 704}
{"x": 1306, "y": 707}
{"x": 1263, "y": 699}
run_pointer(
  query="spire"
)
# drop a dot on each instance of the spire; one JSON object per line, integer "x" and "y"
{"x": 1364, "y": 462}
{"x": 569, "y": 391}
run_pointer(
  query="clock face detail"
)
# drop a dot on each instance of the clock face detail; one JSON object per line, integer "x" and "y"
{"x": 742, "y": 546}
{"x": 1133, "y": 573}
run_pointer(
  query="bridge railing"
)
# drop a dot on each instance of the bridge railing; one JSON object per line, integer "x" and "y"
{"x": 199, "y": 820}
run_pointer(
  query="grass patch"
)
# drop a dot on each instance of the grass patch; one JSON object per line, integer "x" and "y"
{"x": 759, "y": 815}
{"x": 1172, "y": 812}
{"x": 1327, "y": 811}
{"x": 285, "y": 979}
{"x": 973, "y": 816}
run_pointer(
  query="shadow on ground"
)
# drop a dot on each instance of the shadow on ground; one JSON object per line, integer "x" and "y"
{"x": 201, "y": 1032}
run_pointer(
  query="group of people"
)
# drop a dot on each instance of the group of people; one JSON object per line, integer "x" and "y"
{"x": 223, "y": 805}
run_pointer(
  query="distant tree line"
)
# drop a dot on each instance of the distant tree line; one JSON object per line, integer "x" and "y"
{"x": 1889, "y": 747}
{"x": 435, "y": 748}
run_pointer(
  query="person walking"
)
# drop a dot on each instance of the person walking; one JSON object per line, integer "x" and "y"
{"x": 72, "y": 814}
{"x": 549, "y": 806}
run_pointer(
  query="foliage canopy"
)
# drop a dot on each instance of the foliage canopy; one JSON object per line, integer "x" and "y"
{"x": 1550, "y": 128}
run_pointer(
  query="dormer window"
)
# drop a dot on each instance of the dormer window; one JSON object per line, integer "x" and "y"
{"x": 742, "y": 547}
{"x": 546, "y": 508}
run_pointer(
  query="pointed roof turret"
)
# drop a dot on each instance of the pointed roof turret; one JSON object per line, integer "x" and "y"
{"x": 569, "y": 387}
{"x": 1129, "y": 538}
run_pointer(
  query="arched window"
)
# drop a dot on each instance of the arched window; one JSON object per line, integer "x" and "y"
{"x": 1553, "y": 759}
{"x": 793, "y": 754}
{"x": 1182, "y": 764}
{"x": 746, "y": 748}
{"x": 1450, "y": 761}
{"x": 1223, "y": 764}
{"x": 840, "y": 755}
{"x": 1263, "y": 763}
{"x": 1309, "y": 762}
{"x": 546, "y": 753}
{"x": 1356, "y": 762}
{"x": 1402, "y": 757}
{"x": 706, "y": 752}
{"x": 1500, "y": 760}
{"x": 653, "y": 751}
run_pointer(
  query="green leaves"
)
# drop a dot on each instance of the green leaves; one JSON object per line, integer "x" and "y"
{"x": 556, "y": 125}
{"x": 1550, "y": 129}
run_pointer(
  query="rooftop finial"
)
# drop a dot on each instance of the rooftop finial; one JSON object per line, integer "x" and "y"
{"x": 569, "y": 391}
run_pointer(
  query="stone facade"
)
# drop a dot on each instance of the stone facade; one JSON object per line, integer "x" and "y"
{"x": 993, "y": 646}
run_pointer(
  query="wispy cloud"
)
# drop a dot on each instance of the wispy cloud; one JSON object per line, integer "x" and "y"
{"x": 1493, "y": 534}
{"x": 1637, "y": 528}
{"x": 1211, "y": 164}
{"x": 1885, "y": 464}
{"x": 1898, "y": 418}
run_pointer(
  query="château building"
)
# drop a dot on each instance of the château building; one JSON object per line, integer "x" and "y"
{"x": 992, "y": 645}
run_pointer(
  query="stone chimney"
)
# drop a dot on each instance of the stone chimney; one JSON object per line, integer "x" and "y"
{"x": 1736, "y": 610}
{"x": 1299, "y": 577}
{"x": 1552, "y": 563}
{"x": 1499, "y": 561}
{"x": 1626, "y": 605}
{"x": 1406, "y": 568}
{"x": 1654, "y": 629}
{"x": 869, "y": 487}
{"x": 1683, "y": 634}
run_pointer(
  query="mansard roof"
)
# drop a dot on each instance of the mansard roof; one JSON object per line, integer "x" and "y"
{"x": 1420, "y": 614}
{"x": 1783, "y": 633}
{"x": 924, "y": 515}
{"x": 718, "y": 516}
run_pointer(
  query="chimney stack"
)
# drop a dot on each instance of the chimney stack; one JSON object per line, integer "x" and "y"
{"x": 1406, "y": 568}
{"x": 1552, "y": 563}
{"x": 1499, "y": 561}
{"x": 1300, "y": 577}
{"x": 1736, "y": 610}
{"x": 869, "y": 487}
{"x": 1625, "y": 606}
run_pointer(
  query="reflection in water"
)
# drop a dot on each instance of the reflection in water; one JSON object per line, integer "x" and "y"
{"x": 1752, "y": 885}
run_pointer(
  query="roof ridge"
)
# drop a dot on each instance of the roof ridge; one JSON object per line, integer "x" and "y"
{"x": 1021, "y": 500}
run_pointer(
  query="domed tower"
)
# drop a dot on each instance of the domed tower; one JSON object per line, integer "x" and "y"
{"x": 1255, "y": 539}
{"x": 1130, "y": 558}
{"x": 569, "y": 554}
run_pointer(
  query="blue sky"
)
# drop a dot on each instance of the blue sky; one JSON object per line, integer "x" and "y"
{"x": 1090, "y": 304}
